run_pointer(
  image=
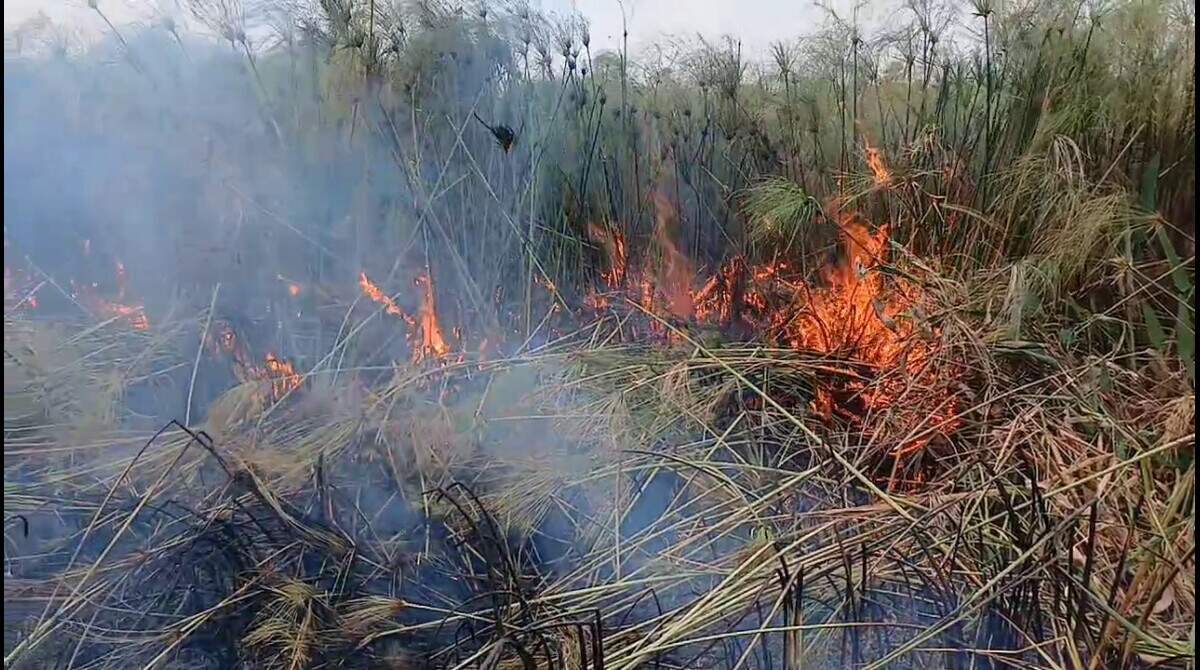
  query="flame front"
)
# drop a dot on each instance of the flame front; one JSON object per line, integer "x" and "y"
{"x": 856, "y": 313}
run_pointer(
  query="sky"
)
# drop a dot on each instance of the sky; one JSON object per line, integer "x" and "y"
{"x": 756, "y": 22}
{"x": 752, "y": 21}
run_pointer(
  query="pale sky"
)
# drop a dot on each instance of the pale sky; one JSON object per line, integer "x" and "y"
{"x": 756, "y": 22}
{"x": 752, "y": 21}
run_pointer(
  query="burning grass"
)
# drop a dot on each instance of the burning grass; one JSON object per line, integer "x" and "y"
{"x": 631, "y": 503}
{"x": 692, "y": 371}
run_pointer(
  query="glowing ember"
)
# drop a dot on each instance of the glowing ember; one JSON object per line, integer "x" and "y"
{"x": 226, "y": 340}
{"x": 134, "y": 314}
{"x": 293, "y": 288}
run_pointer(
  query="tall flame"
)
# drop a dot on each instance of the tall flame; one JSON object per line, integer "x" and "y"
{"x": 613, "y": 243}
{"x": 432, "y": 341}
{"x": 853, "y": 313}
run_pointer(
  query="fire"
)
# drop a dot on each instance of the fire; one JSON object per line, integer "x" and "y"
{"x": 883, "y": 175}
{"x": 376, "y": 294}
{"x": 19, "y": 288}
{"x": 425, "y": 332}
{"x": 293, "y": 288}
{"x": 851, "y": 313}
{"x": 856, "y": 313}
{"x": 277, "y": 374}
{"x": 120, "y": 308}
{"x": 281, "y": 375}
{"x": 613, "y": 243}
{"x": 432, "y": 341}
{"x": 134, "y": 314}
{"x": 227, "y": 342}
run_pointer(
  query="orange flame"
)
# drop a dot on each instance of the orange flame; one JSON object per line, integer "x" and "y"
{"x": 135, "y": 314}
{"x": 425, "y": 333}
{"x": 432, "y": 341}
{"x": 858, "y": 313}
{"x": 374, "y": 293}
{"x": 613, "y": 243}
{"x": 883, "y": 175}
{"x": 281, "y": 375}
{"x": 278, "y": 374}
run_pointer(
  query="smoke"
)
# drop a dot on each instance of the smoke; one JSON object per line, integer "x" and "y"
{"x": 267, "y": 182}
{"x": 270, "y": 172}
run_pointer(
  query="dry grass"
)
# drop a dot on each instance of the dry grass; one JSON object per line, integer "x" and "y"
{"x": 677, "y": 506}
{"x": 612, "y": 488}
